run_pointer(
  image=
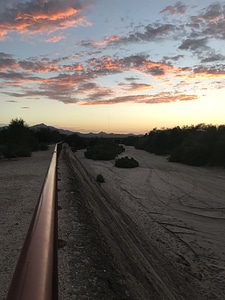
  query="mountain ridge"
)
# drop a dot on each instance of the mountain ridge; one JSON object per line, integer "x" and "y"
{"x": 87, "y": 135}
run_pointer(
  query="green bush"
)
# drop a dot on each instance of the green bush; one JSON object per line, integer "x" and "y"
{"x": 126, "y": 162}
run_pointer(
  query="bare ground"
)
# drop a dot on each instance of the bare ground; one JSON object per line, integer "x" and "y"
{"x": 173, "y": 221}
{"x": 154, "y": 232}
{"x": 85, "y": 266}
{"x": 21, "y": 181}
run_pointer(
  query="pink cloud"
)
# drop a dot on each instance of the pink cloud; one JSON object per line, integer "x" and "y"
{"x": 42, "y": 16}
{"x": 55, "y": 38}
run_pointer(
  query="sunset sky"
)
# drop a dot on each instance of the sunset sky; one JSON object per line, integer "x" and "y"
{"x": 112, "y": 65}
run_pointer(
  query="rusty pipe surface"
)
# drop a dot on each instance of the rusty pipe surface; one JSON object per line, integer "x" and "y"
{"x": 35, "y": 276}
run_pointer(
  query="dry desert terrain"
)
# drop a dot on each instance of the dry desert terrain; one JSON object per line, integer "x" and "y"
{"x": 163, "y": 224}
{"x": 21, "y": 181}
{"x": 179, "y": 213}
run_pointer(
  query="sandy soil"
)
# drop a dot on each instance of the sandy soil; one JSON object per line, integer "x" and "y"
{"x": 85, "y": 267}
{"x": 180, "y": 211}
{"x": 21, "y": 181}
{"x": 163, "y": 221}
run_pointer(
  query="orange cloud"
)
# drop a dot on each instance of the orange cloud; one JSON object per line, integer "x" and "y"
{"x": 105, "y": 64}
{"x": 106, "y": 41}
{"x": 77, "y": 83}
{"x": 49, "y": 15}
{"x": 39, "y": 66}
{"x": 213, "y": 73}
{"x": 74, "y": 67}
{"x": 109, "y": 64}
{"x": 42, "y": 16}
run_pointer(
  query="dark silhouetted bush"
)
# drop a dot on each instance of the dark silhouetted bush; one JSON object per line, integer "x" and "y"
{"x": 19, "y": 140}
{"x": 100, "y": 178}
{"x": 76, "y": 142}
{"x": 126, "y": 162}
{"x": 43, "y": 147}
{"x": 103, "y": 150}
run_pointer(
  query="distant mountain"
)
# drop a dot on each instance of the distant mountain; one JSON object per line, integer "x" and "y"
{"x": 87, "y": 135}
{"x": 103, "y": 135}
{"x": 42, "y": 125}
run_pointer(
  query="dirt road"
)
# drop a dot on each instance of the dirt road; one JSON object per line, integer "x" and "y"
{"x": 85, "y": 266}
{"x": 164, "y": 223}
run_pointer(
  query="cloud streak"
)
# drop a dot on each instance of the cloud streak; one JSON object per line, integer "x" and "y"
{"x": 163, "y": 97}
{"x": 178, "y": 9}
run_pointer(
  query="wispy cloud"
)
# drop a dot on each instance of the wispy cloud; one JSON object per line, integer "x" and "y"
{"x": 55, "y": 38}
{"x": 178, "y": 9}
{"x": 194, "y": 44}
{"x": 163, "y": 97}
{"x": 7, "y": 62}
{"x": 69, "y": 80}
{"x": 12, "y": 101}
{"x": 150, "y": 33}
{"x": 196, "y": 30}
{"x": 213, "y": 57}
{"x": 134, "y": 87}
{"x": 39, "y": 66}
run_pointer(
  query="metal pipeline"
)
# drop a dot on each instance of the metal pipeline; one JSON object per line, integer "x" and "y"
{"x": 35, "y": 276}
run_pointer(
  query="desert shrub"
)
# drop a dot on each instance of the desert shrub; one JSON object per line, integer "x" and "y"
{"x": 23, "y": 151}
{"x": 103, "y": 150}
{"x": 9, "y": 151}
{"x": 100, "y": 178}
{"x": 18, "y": 139}
{"x": 126, "y": 162}
{"x": 76, "y": 142}
{"x": 191, "y": 153}
{"x": 73, "y": 149}
{"x": 12, "y": 151}
{"x": 43, "y": 147}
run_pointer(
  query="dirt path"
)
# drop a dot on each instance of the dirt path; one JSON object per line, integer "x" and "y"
{"x": 173, "y": 219}
{"x": 85, "y": 265}
{"x": 21, "y": 181}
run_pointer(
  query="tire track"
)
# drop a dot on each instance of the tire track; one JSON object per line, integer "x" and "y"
{"x": 148, "y": 272}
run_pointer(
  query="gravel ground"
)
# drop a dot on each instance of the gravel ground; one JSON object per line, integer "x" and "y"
{"x": 21, "y": 182}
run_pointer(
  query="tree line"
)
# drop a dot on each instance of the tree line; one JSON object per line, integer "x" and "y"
{"x": 198, "y": 145}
